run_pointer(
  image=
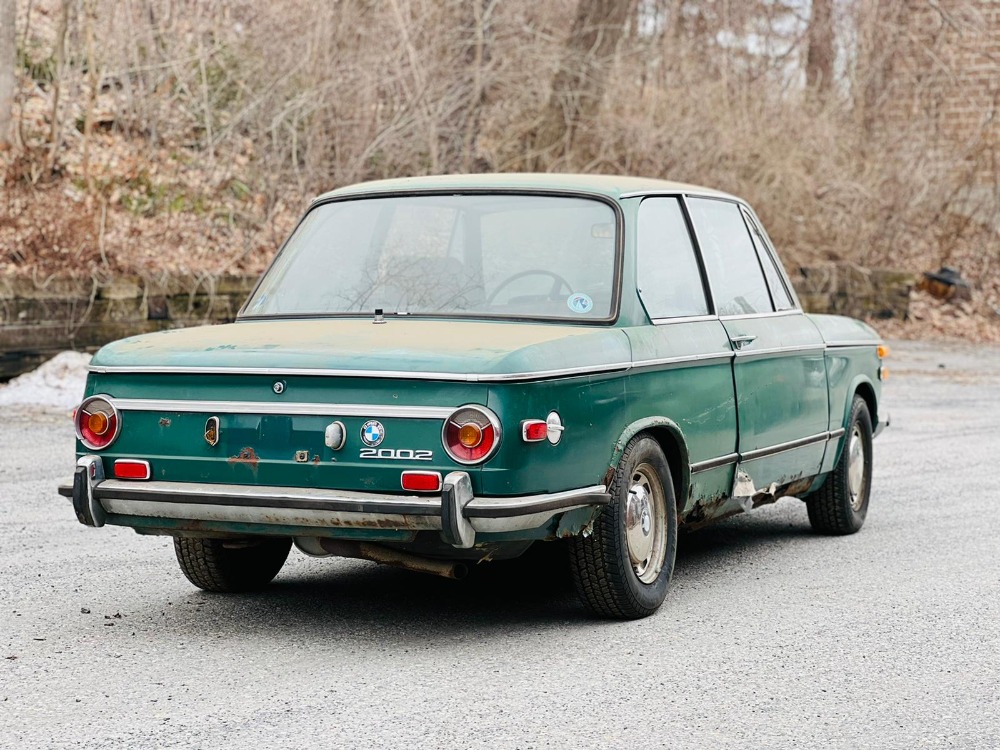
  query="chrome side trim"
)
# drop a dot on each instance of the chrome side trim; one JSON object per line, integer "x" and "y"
{"x": 850, "y": 344}
{"x": 696, "y": 359}
{"x": 772, "y": 450}
{"x": 779, "y": 350}
{"x": 732, "y": 458}
{"x": 397, "y": 375}
{"x": 278, "y": 407}
{"x": 715, "y": 463}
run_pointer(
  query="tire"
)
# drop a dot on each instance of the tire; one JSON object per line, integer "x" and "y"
{"x": 612, "y": 574}
{"x": 840, "y": 505}
{"x": 229, "y": 566}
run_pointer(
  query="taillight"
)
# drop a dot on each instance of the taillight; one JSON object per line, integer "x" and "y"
{"x": 471, "y": 435}
{"x": 97, "y": 422}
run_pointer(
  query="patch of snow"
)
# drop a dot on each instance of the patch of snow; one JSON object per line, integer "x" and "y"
{"x": 57, "y": 383}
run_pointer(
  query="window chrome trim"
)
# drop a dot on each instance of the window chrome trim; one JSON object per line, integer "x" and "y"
{"x": 772, "y": 314}
{"x": 285, "y": 408}
{"x": 684, "y": 319}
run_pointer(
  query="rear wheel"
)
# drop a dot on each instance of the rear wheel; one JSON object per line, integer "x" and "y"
{"x": 623, "y": 568}
{"x": 841, "y": 504}
{"x": 226, "y": 565}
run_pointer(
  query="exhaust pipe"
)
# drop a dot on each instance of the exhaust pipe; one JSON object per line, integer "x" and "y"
{"x": 384, "y": 555}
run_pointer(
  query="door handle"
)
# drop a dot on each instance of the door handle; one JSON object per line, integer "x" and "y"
{"x": 740, "y": 341}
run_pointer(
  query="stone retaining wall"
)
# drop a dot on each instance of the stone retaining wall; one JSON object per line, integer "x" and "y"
{"x": 41, "y": 317}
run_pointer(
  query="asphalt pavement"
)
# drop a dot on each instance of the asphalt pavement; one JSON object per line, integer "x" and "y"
{"x": 771, "y": 637}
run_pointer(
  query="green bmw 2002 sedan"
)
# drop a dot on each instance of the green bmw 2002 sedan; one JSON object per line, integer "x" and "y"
{"x": 441, "y": 371}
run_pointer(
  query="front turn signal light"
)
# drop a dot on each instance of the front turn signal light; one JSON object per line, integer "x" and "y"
{"x": 883, "y": 351}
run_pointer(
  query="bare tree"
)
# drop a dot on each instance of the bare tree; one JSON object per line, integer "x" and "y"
{"x": 822, "y": 51}
{"x": 8, "y": 66}
{"x": 578, "y": 85}
{"x": 60, "y": 59}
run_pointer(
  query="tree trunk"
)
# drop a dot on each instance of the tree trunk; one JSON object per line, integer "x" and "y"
{"x": 821, "y": 52}
{"x": 578, "y": 85}
{"x": 8, "y": 68}
{"x": 60, "y": 57}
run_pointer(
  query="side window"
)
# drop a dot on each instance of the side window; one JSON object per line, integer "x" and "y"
{"x": 782, "y": 299}
{"x": 669, "y": 280}
{"x": 734, "y": 271}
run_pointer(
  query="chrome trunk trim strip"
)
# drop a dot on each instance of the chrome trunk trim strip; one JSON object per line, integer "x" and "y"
{"x": 284, "y": 408}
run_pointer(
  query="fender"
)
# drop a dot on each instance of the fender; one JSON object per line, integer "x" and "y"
{"x": 656, "y": 423}
{"x": 859, "y": 380}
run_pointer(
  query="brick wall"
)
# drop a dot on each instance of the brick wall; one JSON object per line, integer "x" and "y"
{"x": 945, "y": 75}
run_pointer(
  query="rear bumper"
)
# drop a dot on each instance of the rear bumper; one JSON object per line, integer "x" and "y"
{"x": 456, "y": 513}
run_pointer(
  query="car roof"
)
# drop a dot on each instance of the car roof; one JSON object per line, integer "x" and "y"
{"x": 613, "y": 186}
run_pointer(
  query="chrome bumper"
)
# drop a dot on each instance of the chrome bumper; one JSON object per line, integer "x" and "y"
{"x": 456, "y": 513}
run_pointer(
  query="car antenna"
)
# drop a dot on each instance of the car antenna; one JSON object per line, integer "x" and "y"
{"x": 379, "y": 317}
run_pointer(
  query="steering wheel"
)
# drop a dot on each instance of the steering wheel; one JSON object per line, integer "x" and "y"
{"x": 558, "y": 282}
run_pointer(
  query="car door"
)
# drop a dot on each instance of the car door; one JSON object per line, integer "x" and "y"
{"x": 682, "y": 363}
{"x": 778, "y": 364}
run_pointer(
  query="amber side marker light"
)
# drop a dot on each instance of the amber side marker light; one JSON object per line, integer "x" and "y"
{"x": 883, "y": 371}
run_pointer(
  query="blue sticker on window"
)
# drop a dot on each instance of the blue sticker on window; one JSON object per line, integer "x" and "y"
{"x": 580, "y": 303}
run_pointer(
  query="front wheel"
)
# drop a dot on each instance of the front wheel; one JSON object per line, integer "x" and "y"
{"x": 841, "y": 504}
{"x": 623, "y": 568}
{"x": 229, "y": 566}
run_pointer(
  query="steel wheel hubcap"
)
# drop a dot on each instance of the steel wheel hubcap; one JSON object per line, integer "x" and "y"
{"x": 645, "y": 523}
{"x": 856, "y": 468}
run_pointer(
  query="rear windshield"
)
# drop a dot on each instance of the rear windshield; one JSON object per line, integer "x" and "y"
{"x": 503, "y": 256}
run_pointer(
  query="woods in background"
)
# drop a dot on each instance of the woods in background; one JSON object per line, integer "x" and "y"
{"x": 151, "y": 133}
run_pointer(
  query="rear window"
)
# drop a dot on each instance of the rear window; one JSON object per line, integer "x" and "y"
{"x": 533, "y": 256}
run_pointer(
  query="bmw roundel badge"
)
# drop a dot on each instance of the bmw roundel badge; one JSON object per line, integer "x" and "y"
{"x": 372, "y": 432}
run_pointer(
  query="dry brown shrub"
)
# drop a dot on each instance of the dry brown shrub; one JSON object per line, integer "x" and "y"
{"x": 214, "y": 121}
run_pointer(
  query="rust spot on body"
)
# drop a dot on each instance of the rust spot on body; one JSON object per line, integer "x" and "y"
{"x": 164, "y": 422}
{"x": 245, "y": 456}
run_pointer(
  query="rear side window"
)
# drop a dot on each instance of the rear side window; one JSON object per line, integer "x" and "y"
{"x": 669, "y": 279}
{"x": 734, "y": 271}
{"x": 779, "y": 294}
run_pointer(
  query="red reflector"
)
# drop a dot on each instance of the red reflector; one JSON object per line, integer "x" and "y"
{"x": 421, "y": 481}
{"x": 534, "y": 430}
{"x": 127, "y": 468}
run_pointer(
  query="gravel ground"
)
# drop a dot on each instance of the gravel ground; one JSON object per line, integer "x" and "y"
{"x": 771, "y": 636}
